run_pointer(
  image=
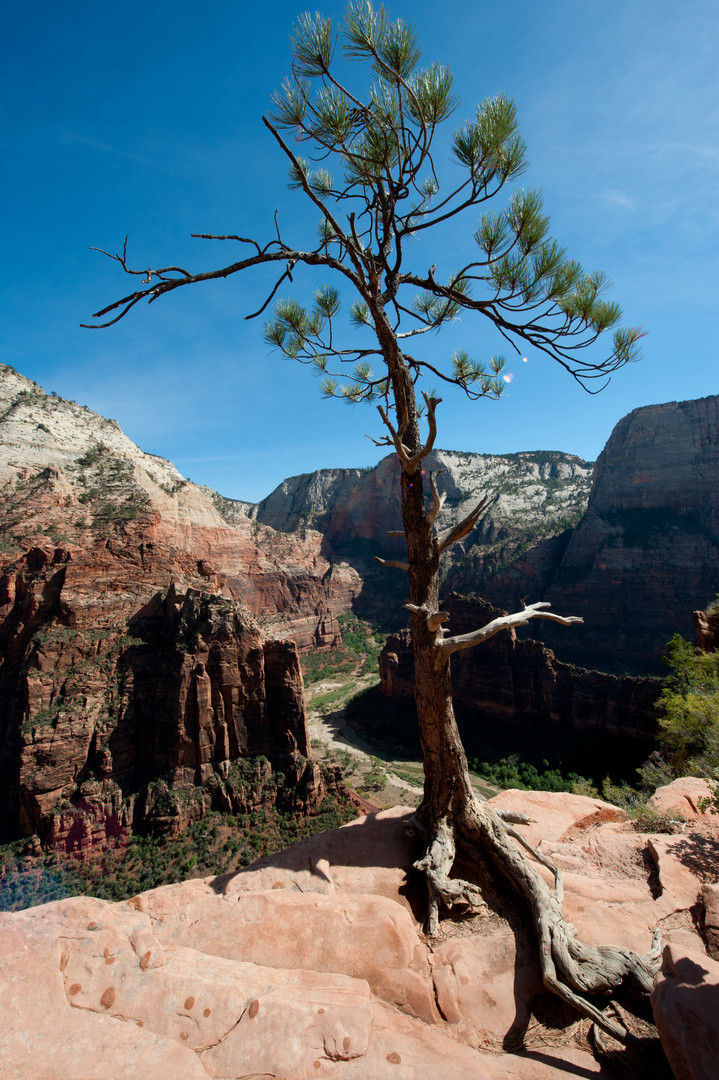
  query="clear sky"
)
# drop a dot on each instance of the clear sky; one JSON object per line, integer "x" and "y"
{"x": 145, "y": 119}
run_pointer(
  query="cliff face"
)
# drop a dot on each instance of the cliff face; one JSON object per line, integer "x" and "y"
{"x": 69, "y": 476}
{"x": 108, "y": 685}
{"x": 592, "y": 720}
{"x": 128, "y": 647}
{"x": 546, "y": 490}
{"x": 539, "y": 497}
{"x": 634, "y": 557}
{"x": 647, "y": 552}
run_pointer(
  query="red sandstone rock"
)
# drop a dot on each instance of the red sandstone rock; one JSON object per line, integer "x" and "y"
{"x": 206, "y": 979}
{"x": 685, "y": 1001}
{"x": 710, "y": 899}
{"x": 680, "y": 796}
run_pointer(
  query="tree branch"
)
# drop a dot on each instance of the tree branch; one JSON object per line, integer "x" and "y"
{"x": 437, "y": 499}
{"x": 450, "y": 535}
{"x": 504, "y": 622}
{"x": 391, "y": 562}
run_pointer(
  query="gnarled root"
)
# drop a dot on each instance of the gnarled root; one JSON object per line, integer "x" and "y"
{"x": 436, "y": 865}
{"x": 569, "y": 968}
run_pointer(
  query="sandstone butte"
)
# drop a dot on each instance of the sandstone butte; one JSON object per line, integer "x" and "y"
{"x": 129, "y": 638}
{"x": 312, "y": 963}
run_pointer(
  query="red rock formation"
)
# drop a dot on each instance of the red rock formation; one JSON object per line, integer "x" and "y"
{"x": 109, "y": 683}
{"x": 511, "y": 683}
{"x": 685, "y": 1001}
{"x": 128, "y": 647}
{"x": 238, "y": 975}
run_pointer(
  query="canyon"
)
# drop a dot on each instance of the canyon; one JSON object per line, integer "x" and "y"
{"x": 133, "y": 670}
{"x": 630, "y": 544}
{"x": 144, "y": 619}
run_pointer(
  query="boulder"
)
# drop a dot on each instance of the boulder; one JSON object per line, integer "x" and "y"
{"x": 685, "y": 1001}
{"x": 682, "y": 796}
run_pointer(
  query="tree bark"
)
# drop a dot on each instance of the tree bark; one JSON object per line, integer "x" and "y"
{"x": 449, "y": 817}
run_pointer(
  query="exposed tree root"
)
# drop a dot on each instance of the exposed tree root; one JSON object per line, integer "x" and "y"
{"x": 569, "y": 968}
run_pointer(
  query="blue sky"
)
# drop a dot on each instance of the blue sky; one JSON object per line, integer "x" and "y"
{"x": 145, "y": 119}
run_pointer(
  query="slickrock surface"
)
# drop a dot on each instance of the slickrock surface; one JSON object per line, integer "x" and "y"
{"x": 312, "y": 963}
{"x": 686, "y": 1007}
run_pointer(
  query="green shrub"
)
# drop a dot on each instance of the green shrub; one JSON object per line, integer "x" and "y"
{"x": 689, "y": 724}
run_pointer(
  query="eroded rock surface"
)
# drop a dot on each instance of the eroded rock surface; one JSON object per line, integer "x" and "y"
{"x": 129, "y": 644}
{"x": 313, "y": 963}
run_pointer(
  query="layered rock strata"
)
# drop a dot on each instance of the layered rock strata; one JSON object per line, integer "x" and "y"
{"x": 634, "y": 557}
{"x": 71, "y": 477}
{"x": 109, "y": 685}
{"x": 647, "y": 551}
{"x": 510, "y": 684}
{"x": 128, "y": 648}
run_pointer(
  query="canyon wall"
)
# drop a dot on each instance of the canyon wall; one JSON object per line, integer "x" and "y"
{"x": 589, "y": 721}
{"x": 130, "y": 649}
{"x": 646, "y": 554}
{"x": 634, "y": 556}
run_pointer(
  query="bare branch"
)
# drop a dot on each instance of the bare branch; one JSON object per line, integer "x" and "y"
{"x": 165, "y": 285}
{"x": 214, "y": 236}
{"x": 402, "y": 450}
{"x": 395, "y": 532}
{"x": 453, "y": 533}
{"x": 392, "y": 562}
{"x": 432, "y": 404}
{"x": 287, "y": 274}
{"x": 433, "y": 619}
{"x": 504, "y": 622}
{"x": 386, "y": 441}
{"x": 437, "y": 499}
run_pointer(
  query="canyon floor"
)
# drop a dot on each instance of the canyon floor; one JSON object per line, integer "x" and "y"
{"x": 380, "y": 779}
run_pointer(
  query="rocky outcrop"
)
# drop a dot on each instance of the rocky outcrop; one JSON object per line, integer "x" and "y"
{"x": 129, "y": 654}
{"x": 71, "y": 477}
{"x": 538, "y": 495}
{"x": 238, "y": 976}
{"x": 685, "y": 1001}
{"x": 647, "y": 552}
{"x": 109, "y": 686}
{"x": 593, "y": 720}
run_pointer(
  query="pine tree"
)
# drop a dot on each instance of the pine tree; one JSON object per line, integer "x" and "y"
{"x": 373, "y": 180}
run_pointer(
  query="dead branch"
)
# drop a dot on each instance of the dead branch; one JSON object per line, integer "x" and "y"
{"x": 410, "y": 461}
{"x": 504, "y": 622}
{"x": 403, "y": 452}
{"x": 437, "y": 499}
{"x": 391, "y": 562}
{"x": 434, "y": 619}
{"x": 453, "y": 533}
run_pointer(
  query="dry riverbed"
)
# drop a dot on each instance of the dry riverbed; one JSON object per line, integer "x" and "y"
{"x": 380, "y": 780}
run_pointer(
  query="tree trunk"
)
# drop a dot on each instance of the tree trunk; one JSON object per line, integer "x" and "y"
{"x": 449, "y": 815}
